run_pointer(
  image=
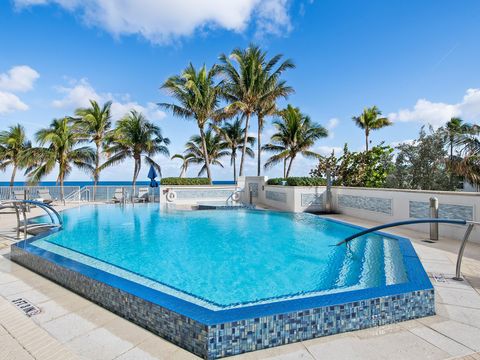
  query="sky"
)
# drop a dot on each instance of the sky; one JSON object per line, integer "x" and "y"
{"x": 418, "y": 61}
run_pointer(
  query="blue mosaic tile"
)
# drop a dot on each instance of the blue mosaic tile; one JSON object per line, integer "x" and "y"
{"x": 421, "y": 209}
{"x": 369, "y": 203}
{"x": 203, "y": 194}
{"x": 311, "y": 199}
{"x": 276, "y": 196}
{"x": 253, "y": 188}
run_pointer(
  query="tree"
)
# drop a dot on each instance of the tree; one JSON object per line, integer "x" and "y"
{"x": 454, "y": 132}
{"x": 135, "y": 137}
{"x": 13, "y": 148}
{"x": 95, "y": 121}
{"x": 371, "y": 119}
{"x": 467, "y": 165}
{"x": 198, "y": 96}
{"x": 271, "y": 88}
{"x": 421, "y": 164}
{"x": 233, "y": 134}
{"x": 244, "y": 86}
{"x": 365, "y": 169}
{"x": 216, "y": 149}
{"x": 296, "y": 134}
{"x": 58, "y": 147}
{"x": 186, "y": 160}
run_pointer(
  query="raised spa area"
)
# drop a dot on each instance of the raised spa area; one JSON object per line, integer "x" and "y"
{"x": 220, "y": 283}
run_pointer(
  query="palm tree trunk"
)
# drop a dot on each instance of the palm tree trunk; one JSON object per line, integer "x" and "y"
{"x": 284, "y": 168}
{"x": 182, "y": 172}
{"x": 245, "y": 143}
{"x": 451, "y": 170}
{"x": 259, "y": 144}
{"x": 96, "y": 173}
{"x": 62, "y": 193}
{"x": 205, "y": 154}
{"x": 234, "y": 161}
{"x": 290, "y": 166}
{"x": 366, "y": 139}
{"x": 14, "y": 172}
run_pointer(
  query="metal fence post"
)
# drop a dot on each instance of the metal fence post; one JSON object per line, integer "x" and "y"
{"x": 434, "y": 215}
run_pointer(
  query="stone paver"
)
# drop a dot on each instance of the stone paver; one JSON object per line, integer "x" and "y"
{"x": 71, "y": 327}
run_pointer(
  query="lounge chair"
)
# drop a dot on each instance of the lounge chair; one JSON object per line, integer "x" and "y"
{"x": 44, "y": 196}
{"x": 142, "y": 195}
{"x": 119, "y": 195}
{"x": 20, "y": 195}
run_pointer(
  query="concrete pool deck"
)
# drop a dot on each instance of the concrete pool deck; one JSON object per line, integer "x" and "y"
{"x": 72, "y": 327}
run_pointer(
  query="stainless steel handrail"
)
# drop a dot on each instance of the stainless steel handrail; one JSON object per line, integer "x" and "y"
{"x": 471, "y": 224}
{"x": 230, "y": 197}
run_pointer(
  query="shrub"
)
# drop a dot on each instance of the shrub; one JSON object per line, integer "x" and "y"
{"x": 298, "y": 181}
{"x": 184, "y": 181}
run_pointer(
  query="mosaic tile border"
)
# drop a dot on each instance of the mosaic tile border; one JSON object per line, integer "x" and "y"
{"x": 276, "y": 196}
{"x": 253, "y": 188}
{"x": 376, "y": 204}
{"x": 311, "y": 199}
{"x": 421, "y": 209}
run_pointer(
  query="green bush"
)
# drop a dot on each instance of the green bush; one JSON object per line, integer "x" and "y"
{"x": 184, "y": 181}
{"x": 298, "y": 181}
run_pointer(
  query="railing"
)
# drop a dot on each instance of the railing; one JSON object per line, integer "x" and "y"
{"x": 238, "y": 192}
{"x": 107, "y": 192}
{"x": 31, "y": 192}
{"x": 20, "y": 206}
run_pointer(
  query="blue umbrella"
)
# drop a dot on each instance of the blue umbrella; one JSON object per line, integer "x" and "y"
{"x": 152, "y": 174}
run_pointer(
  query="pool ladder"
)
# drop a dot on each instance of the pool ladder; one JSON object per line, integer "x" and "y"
{"x": 22, "y": 207}
{"x": 466, "y": 236}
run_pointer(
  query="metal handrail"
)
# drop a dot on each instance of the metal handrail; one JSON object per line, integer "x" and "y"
{"x": 42, "y": 206}
{"x": 399, "y": 223}
{"x": 471, "y": 224}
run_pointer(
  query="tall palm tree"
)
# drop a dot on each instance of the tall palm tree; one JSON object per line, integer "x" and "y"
{"x": 186, "y": 160}
{"x": 370, "y": 119}
{"x": 467, "y": 164}
{"x": 135, "y": 137}
{"x": 296, "y": 134}
{"x": 13, "y": 147}
{"x": 59, "y": 147}
{"x": 244, "y": 86}
{"x": 454, "y": 131}
{"x": 233, "y": 134}
{"x": 216, "y": 149}
{"x": 198, "y": 95}
{"x": 96, "y": 122}
{"x": 272, "y": 88}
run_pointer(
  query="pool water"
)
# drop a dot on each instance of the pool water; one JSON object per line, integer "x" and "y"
{"x": 228, "y": 258}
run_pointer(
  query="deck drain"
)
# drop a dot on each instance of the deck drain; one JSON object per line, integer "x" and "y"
{"x": 26, "y": 306}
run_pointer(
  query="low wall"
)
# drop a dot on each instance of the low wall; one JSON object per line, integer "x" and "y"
{"x": 379, "y": 205}
{"x": 192, "y": 195}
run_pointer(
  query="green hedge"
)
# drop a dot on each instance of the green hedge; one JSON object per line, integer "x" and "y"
{"x": 184, "y": 181}
{"x": 298, "y": 181}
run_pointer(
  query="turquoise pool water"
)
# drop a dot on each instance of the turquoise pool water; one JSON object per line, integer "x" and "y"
{"x": 226, "y": 258}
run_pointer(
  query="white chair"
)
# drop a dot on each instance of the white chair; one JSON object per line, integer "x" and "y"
{"x": 119, "y": 195}
{"x": 44, "y": 196}
{"x": 142, "y": 195}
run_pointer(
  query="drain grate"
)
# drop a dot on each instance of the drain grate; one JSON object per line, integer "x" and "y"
{"x": 26, "y": 306}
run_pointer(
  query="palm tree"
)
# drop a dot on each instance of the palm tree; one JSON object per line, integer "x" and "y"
{"x": 216, "y": 149}
{"x": 58, "y": 147}
{"x": 135, "y": 137}
{"x": 454, "y": 132}
{"x": 186, "y": 160}
{"x": 13, "y": 147}
{"x": 271, "y": 88}
{"x": 371, "y": 119}
{"x": 198, "y": 96}
{"x": 96, "y": 122}
{"x": 244, "y": 86}
{"x": 233, "y": 134}
{"x": 296, "y": 134}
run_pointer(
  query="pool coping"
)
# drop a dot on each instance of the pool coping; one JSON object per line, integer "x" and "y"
{"x": 417, "y": 280}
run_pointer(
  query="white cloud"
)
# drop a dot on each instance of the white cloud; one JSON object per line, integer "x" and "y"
{"x": 406, "y": 142}
{"x": 10, "y": 102}
{"x": 327, "y": 150}
{"x": 79, "y": 93}
{"x": 18, "y": 78}
{"x": 162, "y": 21}
{"x": 438, "y": 113}
{"x": 332, "y": 124}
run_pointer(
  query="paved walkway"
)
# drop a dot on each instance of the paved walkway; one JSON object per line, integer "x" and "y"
{"x": 71, "y": 327}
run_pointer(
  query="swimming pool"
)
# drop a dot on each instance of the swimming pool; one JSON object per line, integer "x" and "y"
{"x": 227, "y": 282}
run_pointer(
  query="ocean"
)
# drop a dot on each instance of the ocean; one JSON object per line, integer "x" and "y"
{"x": 106, "y": 183}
